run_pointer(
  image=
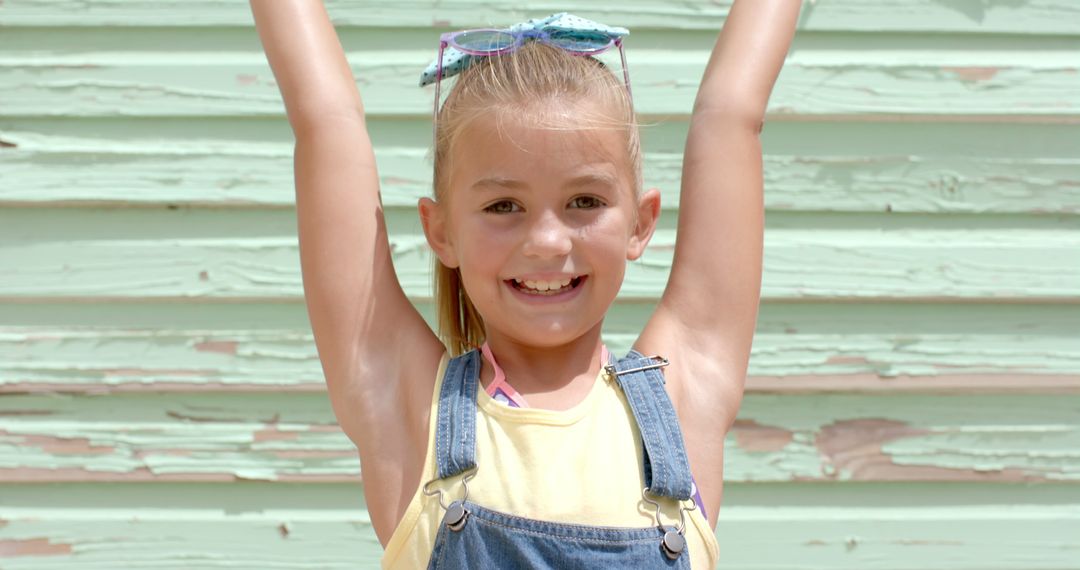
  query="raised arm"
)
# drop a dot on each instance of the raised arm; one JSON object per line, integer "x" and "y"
{"x": 362, "y": 321}
{"x": 710, "y": 304}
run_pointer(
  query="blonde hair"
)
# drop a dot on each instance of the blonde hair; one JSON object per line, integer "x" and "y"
{"x": 527, "y": 84}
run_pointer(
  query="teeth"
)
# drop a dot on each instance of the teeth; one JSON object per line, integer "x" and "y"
{"x": 544, "y": 285}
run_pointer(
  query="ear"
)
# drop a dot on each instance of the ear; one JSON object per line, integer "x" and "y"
{"x": 648, "y": 213}
{"x": 433, "y": 218}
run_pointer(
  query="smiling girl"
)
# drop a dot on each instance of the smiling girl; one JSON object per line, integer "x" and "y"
{"x": 513, "y": 437}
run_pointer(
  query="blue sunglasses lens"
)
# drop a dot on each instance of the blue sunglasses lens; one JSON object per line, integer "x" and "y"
{"x": 579, "y": 43}
{"x": 485, "y": 40}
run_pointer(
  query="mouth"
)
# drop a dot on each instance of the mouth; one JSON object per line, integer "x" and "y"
{"x": 547, "y": 290}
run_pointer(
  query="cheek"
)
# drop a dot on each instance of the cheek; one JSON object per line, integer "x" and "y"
{"x": 482, "y": 251}
{"x": 609, "y": 232}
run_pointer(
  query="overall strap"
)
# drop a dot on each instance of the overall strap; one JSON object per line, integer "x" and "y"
{"x": 455, "y": 432}
{"x": 667, "y": 468}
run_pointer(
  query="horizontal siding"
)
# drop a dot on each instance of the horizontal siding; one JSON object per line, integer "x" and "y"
{"x": 103, "y": 347}
{"x": 777, "y": 438}
{"x": 1029, "y": 17}
{"x": 990, "y": 85}
{"x": 103, "y": 257}
{"x": 237, "y": 171}
{"x": 914, "y": 384}
{"x": 866, "y": 526}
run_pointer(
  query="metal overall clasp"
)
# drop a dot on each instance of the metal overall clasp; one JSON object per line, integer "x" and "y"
{"x": 456, "y": 514}
{"x": 674, "y": 542}
{"x": 660, "y": 362}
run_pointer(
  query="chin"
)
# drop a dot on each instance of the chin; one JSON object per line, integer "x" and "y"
{"x": 547, "y": 336}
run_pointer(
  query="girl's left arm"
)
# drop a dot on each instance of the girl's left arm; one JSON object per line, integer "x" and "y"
{"x": 710, "y": 304}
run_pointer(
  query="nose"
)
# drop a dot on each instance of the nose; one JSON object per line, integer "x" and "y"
{"x": 548, "y": 236}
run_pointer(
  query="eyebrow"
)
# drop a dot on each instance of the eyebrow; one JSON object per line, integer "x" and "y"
{"x": 513, "y": 184}
{"x": 590, "y": 179}
{"x": 498, "y": 182}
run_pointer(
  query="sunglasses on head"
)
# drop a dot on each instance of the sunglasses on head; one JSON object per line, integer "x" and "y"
{"x": 490, "y": 41}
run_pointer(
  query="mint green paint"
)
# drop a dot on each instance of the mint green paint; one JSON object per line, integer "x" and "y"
{"x": 274, "y": 435}
{"x": 922, "y": 192}
{"x": 974, "y": 16}
{"x": 108, "y": 357}
{"x": 110, "y": 345}
{"x": 237, "y": 173}
{"x": 1014, "y": 86}
{"x": 868, "y": 263}
{"x": 299, "y": 526}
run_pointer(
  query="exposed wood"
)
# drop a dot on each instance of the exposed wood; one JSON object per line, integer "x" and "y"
{"x": 105, "y": 360}
{"x": 914, "y": 385}
{"x": 52, "y": 172}
{"x": 866, "y": 264}
{"x": 876, "y": 526}
{"x": 1032, "y": 17}
{"x": 777, "y": 437}
{"x": 1003, "y": 86}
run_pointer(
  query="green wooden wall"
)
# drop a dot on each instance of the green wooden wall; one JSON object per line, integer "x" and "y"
{"x": 914, "y": 390}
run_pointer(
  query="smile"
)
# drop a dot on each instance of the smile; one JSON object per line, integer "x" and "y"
{"x": 545, "y": 288}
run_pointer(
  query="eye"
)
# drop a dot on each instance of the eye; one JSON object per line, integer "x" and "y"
{"x": 501, "y": 207}
{"x": 587, "y": 202}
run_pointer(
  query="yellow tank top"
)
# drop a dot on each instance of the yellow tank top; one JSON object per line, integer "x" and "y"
{"x": 582, "y": 465}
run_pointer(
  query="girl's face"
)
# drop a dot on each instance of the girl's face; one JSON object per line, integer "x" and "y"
{"x": 530, "y": 208}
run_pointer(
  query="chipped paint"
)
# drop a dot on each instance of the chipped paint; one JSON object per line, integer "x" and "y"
{"x": 973, "y": 74}
{"x": 223, "y": 347}
{"x": 32, "y": 547}
{"x": 784, "y": 438}
{"x": 917, "y": 337}
{"x": 752, "y": 436}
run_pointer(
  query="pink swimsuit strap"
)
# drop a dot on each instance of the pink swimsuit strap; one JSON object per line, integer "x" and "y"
{"x": 502, "y": 391}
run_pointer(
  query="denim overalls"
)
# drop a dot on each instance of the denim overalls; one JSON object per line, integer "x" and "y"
{"x": 471, "y": 536}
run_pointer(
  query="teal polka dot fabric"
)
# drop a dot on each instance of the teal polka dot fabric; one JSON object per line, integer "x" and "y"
{"x": 563, "y": 23}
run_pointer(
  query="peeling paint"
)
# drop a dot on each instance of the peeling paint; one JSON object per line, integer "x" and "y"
{"x": 274, "y": 434}
{"x": 844, "y": 359}
{"x": 928, "y": 542}
{"x": 854, "y": 450}
{"x": 853, "y": 447}
{"x": 973, "y": 74}
{"x": 60, "y": 445}
{"x": 10, "y": 548}
{"x": 153, "y": 427}
{"x": 222, "y": 346}
{"x": 752, "y": 436}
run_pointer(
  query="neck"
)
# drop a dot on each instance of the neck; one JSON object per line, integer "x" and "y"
{"x": 534, "y": 369}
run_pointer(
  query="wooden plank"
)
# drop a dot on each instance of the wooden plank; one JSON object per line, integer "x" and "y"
{"x": 999, "y": 86}
{"x": 107, "y": 347}
{"x": 761, "y": 526}
{"x": 1032, "y": 17}
{"x": 862, "y": 263}
{"x": 294, "y": 437}
{"x": 271, "y": 136}
{"x": 71, "y": 171}
{"x": 102, "y": 360}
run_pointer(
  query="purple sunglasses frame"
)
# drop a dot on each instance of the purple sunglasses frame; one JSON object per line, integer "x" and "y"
{"x": 447, "y": 39}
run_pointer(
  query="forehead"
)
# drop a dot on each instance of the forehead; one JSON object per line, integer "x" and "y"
{"x": 501, "y": 145}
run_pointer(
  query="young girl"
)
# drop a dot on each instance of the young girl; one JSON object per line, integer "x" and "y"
{"x": 518, "y": 439}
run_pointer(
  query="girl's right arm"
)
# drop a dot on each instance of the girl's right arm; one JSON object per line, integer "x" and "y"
{"x": 378, "y": 354}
